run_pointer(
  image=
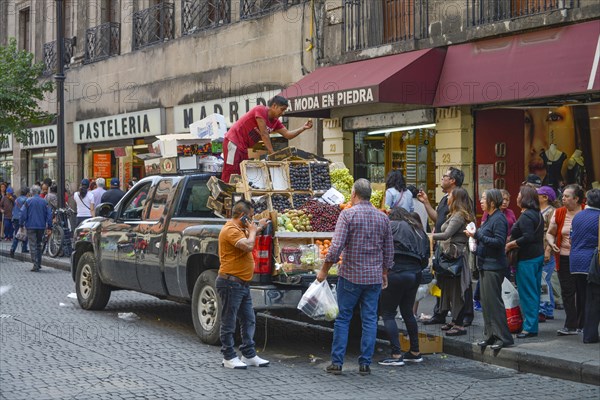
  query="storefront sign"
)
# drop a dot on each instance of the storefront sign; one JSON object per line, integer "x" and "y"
{"x": 122, "y": 126}
{"x": 334, "y": 99}
{"x": 6, "y": 143}
{"x": 44, "y": 136}
{"x": 232, "y": 108}
{"x": 102, "y": 165}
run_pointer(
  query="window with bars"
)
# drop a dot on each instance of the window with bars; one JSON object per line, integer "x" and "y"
{"x": 197, "y": 15}
{"x": 256, "y": 8}
{"x": 51, "y": 54}
{"x": 480, "y": 12}
{"x": 153, "y": 25}
{"x": 102, "y": 41}
{"x": 377, "y": 22}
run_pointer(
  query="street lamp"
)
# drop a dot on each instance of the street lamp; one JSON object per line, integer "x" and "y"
{"x": 60, "y": 87}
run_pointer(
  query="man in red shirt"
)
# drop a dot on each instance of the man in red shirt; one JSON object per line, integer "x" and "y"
{"x": 257, "y": 124}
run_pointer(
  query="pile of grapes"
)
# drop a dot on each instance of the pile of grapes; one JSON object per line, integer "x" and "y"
{"x": 259, "y": 204}
{"x": 299, "y": 199}
{"x": 324, "y": 216}
{"x": 377, "y": 198}
{"x": 342, "y": 181}
{"x": 299, "y": 177}
{"x": 281, "y": 202}
{"x": 319, "y": 173}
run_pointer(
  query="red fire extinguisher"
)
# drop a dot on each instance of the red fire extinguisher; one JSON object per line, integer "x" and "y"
{"x": 262, "y": 253}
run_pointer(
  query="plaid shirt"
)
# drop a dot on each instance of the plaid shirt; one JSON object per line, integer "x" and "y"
{"x": 364, "y": 235}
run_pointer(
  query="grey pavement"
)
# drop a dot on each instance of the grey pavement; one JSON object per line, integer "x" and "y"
{"x": 50, "y": 348}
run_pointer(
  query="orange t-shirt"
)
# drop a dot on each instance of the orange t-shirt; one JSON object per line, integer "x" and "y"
{"x": 234, "y": 261}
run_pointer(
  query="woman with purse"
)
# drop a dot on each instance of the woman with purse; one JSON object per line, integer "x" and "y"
{"x": 528, "y": 237}
{"x": 559, "y": 238}
{"x": 411, "y": 255}
{"x": 491, "y": 262}
{"x": 452, "y": 252}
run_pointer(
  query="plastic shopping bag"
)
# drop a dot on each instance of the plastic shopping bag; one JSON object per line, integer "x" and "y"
{"x": 510, "y": 297}
{"x": 318, "y": 302}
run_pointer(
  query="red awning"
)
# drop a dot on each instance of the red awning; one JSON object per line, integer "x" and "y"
{"x": 408, "y": 78}
{"x": 541, "y": 64}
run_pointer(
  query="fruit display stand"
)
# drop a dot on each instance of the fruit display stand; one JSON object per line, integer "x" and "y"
{"x": 261, "y": 201}
{"x": 299, "y": 174}
{"x": 320, "y": 179}
{"x": 290, "y": 273}
{"x": 281, "y": 201}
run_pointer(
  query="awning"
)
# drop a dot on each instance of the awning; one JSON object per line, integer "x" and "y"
{"x": 552, "y": 62}
{"x": 407, "y": 78}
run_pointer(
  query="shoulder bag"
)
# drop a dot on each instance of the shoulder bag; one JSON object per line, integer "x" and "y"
{"x": 448, "y": 259}
{"x": 594, "y": 273}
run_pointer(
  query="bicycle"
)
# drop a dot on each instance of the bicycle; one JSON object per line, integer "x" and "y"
{"x": 60, "y": 240}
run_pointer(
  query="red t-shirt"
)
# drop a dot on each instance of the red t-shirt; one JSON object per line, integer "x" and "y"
{"x": 245, "y": 134}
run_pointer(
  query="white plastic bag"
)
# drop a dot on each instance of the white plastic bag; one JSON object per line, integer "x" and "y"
{"x": 510, "y": 296}
{"x": 318, "y": 302}
{"x": 471, "y": 228}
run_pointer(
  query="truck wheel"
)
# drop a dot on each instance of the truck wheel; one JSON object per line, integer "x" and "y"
{"x": 92, "y": 294}
{"x": 206, "y": 308}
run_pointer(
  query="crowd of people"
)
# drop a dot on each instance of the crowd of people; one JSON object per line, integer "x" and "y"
{"x": 33, "y": 208}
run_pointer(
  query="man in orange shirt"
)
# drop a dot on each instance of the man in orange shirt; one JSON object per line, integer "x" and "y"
{"x": 236, "y": 242}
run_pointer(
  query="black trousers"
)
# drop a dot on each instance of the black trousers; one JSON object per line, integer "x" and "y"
{"x": 572, "y": 288}
{"x": 494, "y": 313}
{"x": 592, "y": 313}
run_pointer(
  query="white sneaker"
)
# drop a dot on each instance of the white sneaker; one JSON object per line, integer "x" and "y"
{"x": 255, "y": 361}
{"x": 234, "y": 363}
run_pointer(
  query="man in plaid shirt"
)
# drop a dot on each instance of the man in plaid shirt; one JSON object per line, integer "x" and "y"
{"x": 364, "y": 238}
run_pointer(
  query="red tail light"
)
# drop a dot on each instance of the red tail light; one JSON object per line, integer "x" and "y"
{"x": 262, "y": 255}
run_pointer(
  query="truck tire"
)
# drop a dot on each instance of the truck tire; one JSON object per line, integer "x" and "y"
{"x": 206, "y": 308}
{"x": 92, "y": 294}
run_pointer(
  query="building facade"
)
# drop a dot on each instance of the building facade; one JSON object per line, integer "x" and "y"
{"x": 416, "y": 85}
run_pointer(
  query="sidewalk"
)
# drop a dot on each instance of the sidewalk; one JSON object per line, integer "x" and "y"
{"x": 564, "y": 357}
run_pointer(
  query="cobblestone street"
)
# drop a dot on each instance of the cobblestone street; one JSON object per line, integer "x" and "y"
{"x": 52, "y": 349}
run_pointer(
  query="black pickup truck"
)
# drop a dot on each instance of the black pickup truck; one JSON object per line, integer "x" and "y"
{"x": 162, "y": 240}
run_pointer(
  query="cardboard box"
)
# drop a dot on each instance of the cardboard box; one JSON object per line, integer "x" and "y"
{"x": 282, "y": 154}
{"x": 214, "y": 205}
{"x": 187, "y": 163}
{"x": 234, "y": 179}
{"x": 168, "y": 165}
{"x": 152, "y": 166}
{"x": 256, "y": 154}
{"x": 212, "y": 127}
{"x": 173, "y": 145}
{"x": 219, "y": 189}
{"x": 279, "y": 174}
{"x": 428, "y": 344}
{"x": 255, "y": 175}
{"x": 333, "y": 197}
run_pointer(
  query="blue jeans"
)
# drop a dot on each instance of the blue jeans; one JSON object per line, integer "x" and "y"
{"x": 8, "y": 228}
{"x": 401, "y": 292}
{"x": 349, "y": 295}
{"x": 529, "y": 286}
{"x": 15, "y": 242}
{"x": 237, "y": 303}
{"x": 547, "y": 307}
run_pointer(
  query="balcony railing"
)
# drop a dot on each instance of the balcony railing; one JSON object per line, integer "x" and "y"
{"x": 204, "y": 14}
{"x": 257, "y": 8}
{"x": 153, "y": 25}
{"x": 481, "y": 12}
{"x": 102, "y": 41}
{"x": 374, "y": 23}
{"x": 51, "y": 54}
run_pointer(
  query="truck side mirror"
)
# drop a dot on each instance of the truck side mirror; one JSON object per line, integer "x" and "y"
{"x": 104, "y": 210}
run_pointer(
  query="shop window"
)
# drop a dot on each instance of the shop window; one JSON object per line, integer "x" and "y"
{"x": 194, "y": 199}
{"x": 6, "y": 167}
{"x": 24, "y": 29}
{"x": 369, "y": 157}
{"x": 135, "y": 203}
{"x": 159, "y": 201}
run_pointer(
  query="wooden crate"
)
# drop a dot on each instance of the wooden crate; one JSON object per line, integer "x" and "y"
{"x": 321, "y": 164}
{"x": 287, "y": 195}
{"x": 279, "y": 175}
{"x": 297, "y": 164}
{"x": 297, "y": 205}
{"x": 259, "y": 197}
{"x": 255, "y": 176}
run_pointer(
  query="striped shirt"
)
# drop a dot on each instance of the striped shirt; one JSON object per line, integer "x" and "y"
{"x": 364, "y": 239}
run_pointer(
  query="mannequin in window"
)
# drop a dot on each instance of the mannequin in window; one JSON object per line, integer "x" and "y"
{"x": 553, "y": 159}
{"x": 576, "y": 169}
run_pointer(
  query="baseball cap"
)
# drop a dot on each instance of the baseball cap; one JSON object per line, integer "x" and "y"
{"x": 547, "y": 191}
{"x": 85, "y": 182}
{"x": 10, "y": 190}
{"x": 533, "y": 179}
{"x": 114, "y": 182}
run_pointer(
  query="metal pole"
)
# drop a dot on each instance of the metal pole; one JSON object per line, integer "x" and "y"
{"x": 60, "y": 88}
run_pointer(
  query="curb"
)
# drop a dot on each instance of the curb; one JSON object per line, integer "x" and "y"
{"x": 523, "y": 361}
{"x": 527, "y": 361}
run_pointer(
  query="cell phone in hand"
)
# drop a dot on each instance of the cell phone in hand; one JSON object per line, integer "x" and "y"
{"x": 245, "y": 220}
